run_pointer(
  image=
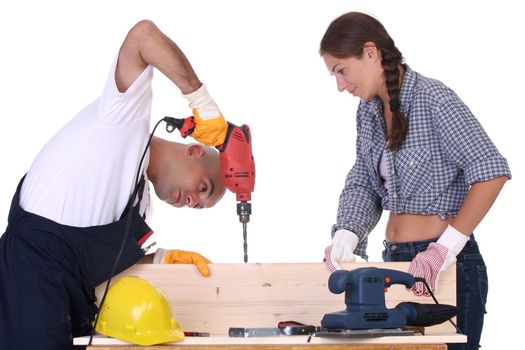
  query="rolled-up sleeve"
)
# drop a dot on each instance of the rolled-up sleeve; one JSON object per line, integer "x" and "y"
{"x": 359, "y": 205}
{"x": 466, "y": 142}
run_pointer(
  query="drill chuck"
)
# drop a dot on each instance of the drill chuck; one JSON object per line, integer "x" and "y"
{"x": 244, "y": 210}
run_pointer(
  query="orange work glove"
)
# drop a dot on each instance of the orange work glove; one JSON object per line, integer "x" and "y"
{"x": 176, "y": 256}
{"x": 211, "y": 132}
{"x": 210, "y": 125}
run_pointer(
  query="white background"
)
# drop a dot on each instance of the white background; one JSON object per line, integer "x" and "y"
{"x": 260, "y": 62}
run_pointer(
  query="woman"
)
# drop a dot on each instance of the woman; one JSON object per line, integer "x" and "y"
{"x": 423, "y": 156}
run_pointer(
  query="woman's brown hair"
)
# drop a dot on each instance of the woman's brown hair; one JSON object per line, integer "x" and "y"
{"x": 346, "y": 37}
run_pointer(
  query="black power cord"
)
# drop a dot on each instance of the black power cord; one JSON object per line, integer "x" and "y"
{"x": 421, "y": 279}
{"x": 129, "y": 208}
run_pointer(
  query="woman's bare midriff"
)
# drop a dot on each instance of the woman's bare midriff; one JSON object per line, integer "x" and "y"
{"x": 411, "y": 227}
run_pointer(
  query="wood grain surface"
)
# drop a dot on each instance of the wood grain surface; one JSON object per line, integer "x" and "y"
{"x": 261, "y": 295}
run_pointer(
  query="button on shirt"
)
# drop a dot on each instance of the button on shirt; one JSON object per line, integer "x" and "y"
{"x": 445, "y": 151}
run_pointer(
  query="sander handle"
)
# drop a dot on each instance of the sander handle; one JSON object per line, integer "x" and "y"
{"x": 397, "y": 277}
{"x": 339, "y": 280}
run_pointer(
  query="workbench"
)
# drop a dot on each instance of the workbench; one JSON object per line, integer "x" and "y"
{"x": 430, "y": 342}
{"x": 261, "y": 295}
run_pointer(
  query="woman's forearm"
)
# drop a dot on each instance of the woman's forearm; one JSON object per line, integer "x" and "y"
{"x": 479, "y": 199}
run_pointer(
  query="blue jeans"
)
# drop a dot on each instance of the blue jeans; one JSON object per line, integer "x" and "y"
{"x": 471, "y": 285}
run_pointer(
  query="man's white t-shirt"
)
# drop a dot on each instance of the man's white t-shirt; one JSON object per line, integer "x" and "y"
{"x": 85, "y": 174}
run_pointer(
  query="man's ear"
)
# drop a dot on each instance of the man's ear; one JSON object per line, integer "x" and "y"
{"x": 194, "y": 151}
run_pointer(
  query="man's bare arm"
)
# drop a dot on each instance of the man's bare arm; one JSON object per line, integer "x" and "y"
{"x": 146, "y": 45}
{"x": 146, "y": 259}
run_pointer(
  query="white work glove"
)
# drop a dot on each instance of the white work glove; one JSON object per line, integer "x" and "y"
{"x": 342, "y": 249}
{"x": 436, "y": 258}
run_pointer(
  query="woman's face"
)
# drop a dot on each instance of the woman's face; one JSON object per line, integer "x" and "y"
{"x": 361, "y": 76}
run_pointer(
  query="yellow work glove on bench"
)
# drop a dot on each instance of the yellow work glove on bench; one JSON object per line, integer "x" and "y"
{"x": 176, "y": 256}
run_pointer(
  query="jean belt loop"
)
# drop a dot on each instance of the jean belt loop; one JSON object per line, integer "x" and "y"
{"x": 389, "y": 246}
{"x": 471, "y": 245}
{"x": 412, "y": 249}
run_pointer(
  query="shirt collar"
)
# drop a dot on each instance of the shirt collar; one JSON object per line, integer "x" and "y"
{"x": 405, "y": 95}
{"x": 407, "y": 90}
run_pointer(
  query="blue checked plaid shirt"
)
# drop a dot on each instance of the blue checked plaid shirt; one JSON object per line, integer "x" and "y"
{"x": 445, "y": 151}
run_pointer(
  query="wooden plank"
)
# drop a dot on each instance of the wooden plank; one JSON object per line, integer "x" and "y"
{"x": 263, "y": 347}
{"x": 223, "y": 341}
{"x": 261, "y": 295}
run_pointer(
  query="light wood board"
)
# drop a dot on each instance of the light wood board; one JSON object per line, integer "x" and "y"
{"x": 278, "y": 347}
{"x": 282, "y": 341}
{"x": 261, "y": 295}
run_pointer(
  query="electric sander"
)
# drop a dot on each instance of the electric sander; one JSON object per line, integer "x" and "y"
{"x": 366, "y": 313}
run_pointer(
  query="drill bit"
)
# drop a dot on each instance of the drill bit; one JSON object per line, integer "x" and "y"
{"x": 245, "y": 237}
{"x": 244, "y": 209}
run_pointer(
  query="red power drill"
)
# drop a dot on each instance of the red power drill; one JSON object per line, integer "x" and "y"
{"x": 237, "y": 165}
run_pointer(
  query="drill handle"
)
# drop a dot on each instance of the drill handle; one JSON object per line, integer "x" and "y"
{"x": 184, "y": 125}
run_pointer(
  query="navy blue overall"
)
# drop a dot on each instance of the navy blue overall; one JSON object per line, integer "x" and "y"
{"x": 48, "y": 273}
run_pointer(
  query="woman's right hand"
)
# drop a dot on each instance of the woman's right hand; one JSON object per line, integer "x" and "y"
{"x": 341, "y": 250}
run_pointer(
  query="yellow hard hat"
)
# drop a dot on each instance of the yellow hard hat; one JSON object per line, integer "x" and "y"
{"x": 138, "y": 312}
